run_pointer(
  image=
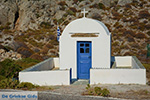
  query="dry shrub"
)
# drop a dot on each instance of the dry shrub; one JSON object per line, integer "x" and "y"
{"x": 73, "y": 9}
{"x": 142, "y": 26}
{"x": 70, "y": 12}
{"x": 45, "y": 25}
{"x": 148, "y": 33}
{"x": 62, "y": 8}
{"x": 134, "y": 26}
{"x": 101, "y": 6}
{"x": 66, "y": 23}
{"x": 36, "y": 56}
{"x": 144, "y": 14}
{"x": 94, "y": 6}
{"x": 124, "y": 19}
{"x": 53, "y": 51}
{"x": 117, "y": 25}
{"x": 140, "y": 35}
{"x": 116, "y": 43}
{"x": 97, "y": 16}
{"x": 50, "y": 46}
{"x": 129, "y": 33}
{"x": 128, "y": 54}
{"x": 55, "y": 21}
{"x": 44, "y": 50}
{"x": 108, "y": 26}
{"x": 128, "y": 6}
{"x": 54, "y": 42}
{"x": 75, "y": 1}
{"x": 116, "y": 15}
{"x": 62, "y": 3}
{"x": 147, "y": 26}
{"x": 135, "y": 45}
{"x": 98, "y": 6}
{"x": 131, "y": 39}
{"x": 133, "y": 19}
{"x": 51, "y": 36}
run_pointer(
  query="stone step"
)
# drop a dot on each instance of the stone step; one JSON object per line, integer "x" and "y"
{"x": 79, "y": 82}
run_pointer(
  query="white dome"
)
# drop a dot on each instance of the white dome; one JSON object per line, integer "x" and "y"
{"x": 85, "y": 25}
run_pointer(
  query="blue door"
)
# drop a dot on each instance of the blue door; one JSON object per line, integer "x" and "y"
{"x": 83, "y": 59}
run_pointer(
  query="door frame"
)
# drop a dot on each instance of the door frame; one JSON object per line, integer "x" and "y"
{"x": 78, "y": 58}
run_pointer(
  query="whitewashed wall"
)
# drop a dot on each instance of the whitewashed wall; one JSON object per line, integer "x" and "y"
{"x": 118, "y": 76}
{"x": 56, "y": 62}
{"x": 123, "y": 61}
{"x": 44, "y": 78}
{"x": 101, "y": 52}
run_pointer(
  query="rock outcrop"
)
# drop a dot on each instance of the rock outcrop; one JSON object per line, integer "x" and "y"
{"x": 34, "y": 23}
{"x": 9, "y": 55}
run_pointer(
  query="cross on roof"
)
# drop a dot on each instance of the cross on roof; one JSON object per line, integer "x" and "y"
{"x": 84, "y": 12}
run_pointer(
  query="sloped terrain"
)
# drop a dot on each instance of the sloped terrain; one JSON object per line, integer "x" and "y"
{"x": 29, "y": 26}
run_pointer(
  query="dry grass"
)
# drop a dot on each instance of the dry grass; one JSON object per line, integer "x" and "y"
{"x": 132, "y": 94}
{"x": 42, "y": 88}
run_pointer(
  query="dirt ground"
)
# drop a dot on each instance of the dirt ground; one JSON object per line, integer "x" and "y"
{"x": 137, "y": 92}
{"x": 119, "y": 91}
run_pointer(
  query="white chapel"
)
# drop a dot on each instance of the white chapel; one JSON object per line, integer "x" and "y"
{"x": 85, "y": 54}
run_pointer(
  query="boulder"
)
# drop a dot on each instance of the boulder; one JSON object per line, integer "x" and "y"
{"x": 124, "y": 2}
{"x": 25, "y": 52}
{"x": 17, "y": 44}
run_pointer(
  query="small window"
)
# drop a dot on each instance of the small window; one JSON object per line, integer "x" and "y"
{"x": 87, "y": 50}
{"x": 81, "y": 50}
{"x": 81, "y": 45}
{"x": 87, "y": 45}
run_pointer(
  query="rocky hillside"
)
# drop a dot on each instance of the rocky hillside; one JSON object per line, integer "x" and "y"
{"x": 29, "y": 26}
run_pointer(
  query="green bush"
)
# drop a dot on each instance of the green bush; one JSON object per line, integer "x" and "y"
{"x": 9, "y": 83}
{"x": 88, "y": 86}
{"x": 27, "y": 85}
{"x": 2, "y": 77}
{"x": 26, "y": 62}
{"x": 97, "y": 91}
{"x": 9, "y": 69}
{"x": 2, "y": 27}
{"x": 70, "y": 12}
{"x": 101, "y": 6}
{"x": 105, "y": 92}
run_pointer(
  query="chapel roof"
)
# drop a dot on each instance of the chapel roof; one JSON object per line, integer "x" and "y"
{"x": 86, "y": 25}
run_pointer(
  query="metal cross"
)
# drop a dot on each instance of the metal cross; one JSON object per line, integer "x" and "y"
{"x": 84, "y": 12}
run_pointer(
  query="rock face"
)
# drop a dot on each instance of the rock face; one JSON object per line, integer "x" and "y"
{"x": 24, "y": 14}
{"x": 34, "y": 23}
{"x": 8, "y": 9}
{"x": 9, "y": 55}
